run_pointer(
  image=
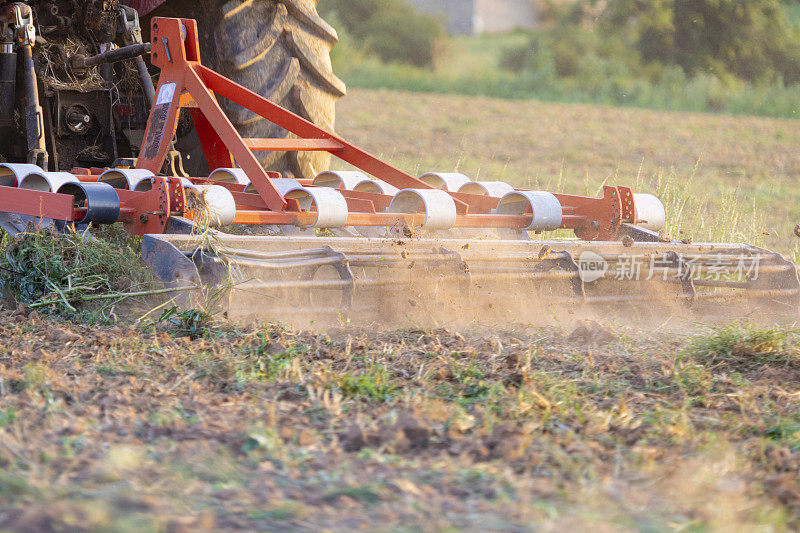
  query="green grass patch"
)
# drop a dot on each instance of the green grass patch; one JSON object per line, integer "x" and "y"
{"x": 373, "y": 384}
{"x": 7, "y": 416}
{"x": 192, "y": 323}
{"x": 73, "y": 274}
{"x": 672, "y": 92}
{"x": 746, "y": 346}
{"x": 367, "y": 494}
{"x": 785, "y": 431}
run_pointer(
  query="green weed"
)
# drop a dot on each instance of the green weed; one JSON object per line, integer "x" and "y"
{"x": 105, "y": 369}
{"x": 786, "y": 431}
{"x": 265, "y": 359}
{"x": 374, "y": 384}
{"x": 192, "y": 323}
{"x": 13, "y": 486}
{"x": 7, "y": 416}
{"x": 282, "y": 512}
{"x": 746, "y": 346}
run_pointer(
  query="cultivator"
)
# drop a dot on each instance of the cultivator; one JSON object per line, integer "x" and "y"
{"x": 385, "y": 246}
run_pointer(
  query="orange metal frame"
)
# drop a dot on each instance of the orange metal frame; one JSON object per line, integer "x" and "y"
{"x": 185, "y": 83}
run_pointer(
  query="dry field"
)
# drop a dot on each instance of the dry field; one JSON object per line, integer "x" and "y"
{"x": 721, "y": 177}
{"x": 186, "y": 424}
{"x": 422, "y": 430}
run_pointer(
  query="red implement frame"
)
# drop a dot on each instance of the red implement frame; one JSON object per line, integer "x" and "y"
{"x": 185, "y": 83}
{"x": 140, "y": 212}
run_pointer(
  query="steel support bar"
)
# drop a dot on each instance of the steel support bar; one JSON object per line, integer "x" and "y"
{"x": 307, "y": 218}
{"x": 111, "y": 56}
{"x": 233, "y": 141}
{"x": 36, "y": 203}
{"x": 289, "y": 145}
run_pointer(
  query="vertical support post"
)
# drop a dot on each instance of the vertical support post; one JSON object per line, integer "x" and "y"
{"x": 167, "y": 52}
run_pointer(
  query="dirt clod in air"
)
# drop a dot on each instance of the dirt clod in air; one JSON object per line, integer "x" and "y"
{"x": 544, "y": 251}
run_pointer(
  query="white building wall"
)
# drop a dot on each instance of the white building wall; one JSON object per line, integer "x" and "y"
{"x": 500, "y": 16}
{"x": 458, "y": 15}
{"x": 481, "y": 16}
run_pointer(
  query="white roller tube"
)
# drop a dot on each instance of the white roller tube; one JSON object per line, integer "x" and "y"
{"x": 47, "y": 181}
{"x": 229, "y": 175}
{"x": 447, "y": 181}
{"x": 376, "y": 187}
{"x": 495, "y": 189}
{"x": 285, "y": 185}
{"x": 133, "y": 179}
{"x": 543, "y": 206}
{"x": 331, "y": 206}
{"x": 282, "y": 184}
{"x": 437, "y": 206}
{"x": 343, "y": 179}
{"x": 650, "y": 212}
{"x": 218, "y": 202}
{"x": 11, "y": 174}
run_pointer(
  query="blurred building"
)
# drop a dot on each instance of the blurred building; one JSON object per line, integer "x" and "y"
{"x": 469, "y": 17}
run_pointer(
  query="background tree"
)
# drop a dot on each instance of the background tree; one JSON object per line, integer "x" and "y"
{"x": 750, "y": 39}
{"x": 394, "y": 30}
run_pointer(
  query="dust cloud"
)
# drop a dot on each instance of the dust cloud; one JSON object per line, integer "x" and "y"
{"x": 461, "y": 284}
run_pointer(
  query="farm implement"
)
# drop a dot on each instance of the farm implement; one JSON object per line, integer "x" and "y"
{"x": 372, "y": 241}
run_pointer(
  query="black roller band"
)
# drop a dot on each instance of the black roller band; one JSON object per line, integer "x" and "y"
{"x": 101, "y": 200}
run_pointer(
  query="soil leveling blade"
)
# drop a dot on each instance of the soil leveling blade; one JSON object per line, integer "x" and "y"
{"x": 327, "y": 279}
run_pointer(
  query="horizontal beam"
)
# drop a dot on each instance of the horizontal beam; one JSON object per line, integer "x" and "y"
{"x": 308, "y": 130}
{"x": 307, "y": 218}
{"x": 291, "y": 145}
{"x": 36, "y": 203}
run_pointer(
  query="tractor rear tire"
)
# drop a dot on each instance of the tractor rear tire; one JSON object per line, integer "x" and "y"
{"x": 277, "y": 48}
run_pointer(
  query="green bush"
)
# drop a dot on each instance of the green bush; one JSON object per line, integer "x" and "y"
{"x": 737, "y": 56}
{"x": 392, "y": 29}
{"x": 574, "y": 58}
{"x": 752, "y": 40}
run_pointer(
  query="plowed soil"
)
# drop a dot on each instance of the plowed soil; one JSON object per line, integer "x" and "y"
{"x": 133, "y": 428}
